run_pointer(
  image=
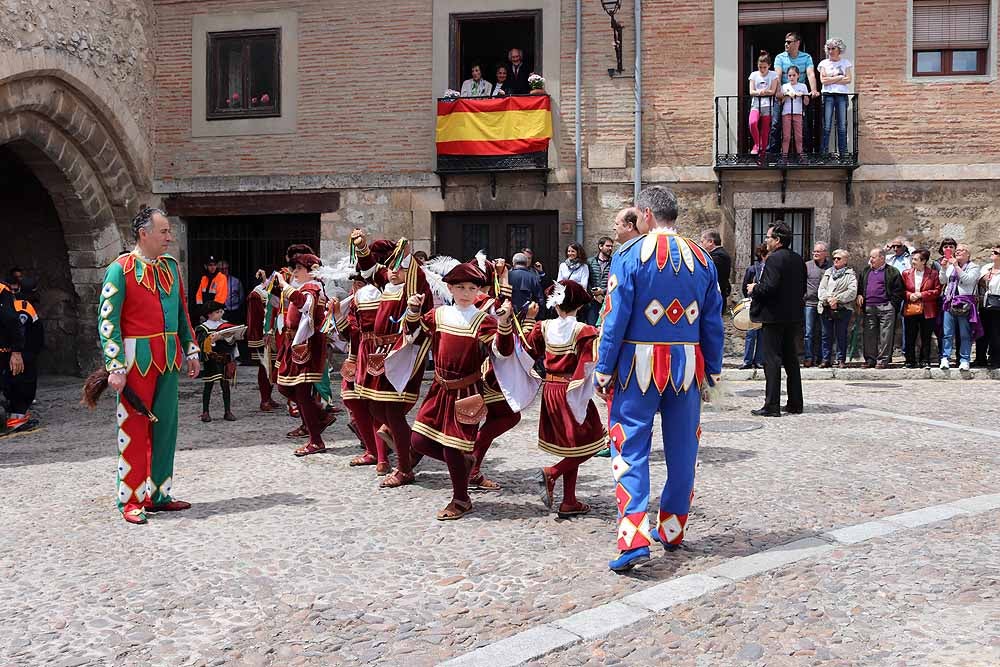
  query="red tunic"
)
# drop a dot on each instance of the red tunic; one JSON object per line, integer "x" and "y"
{"x": 360, "y": 318}
{"x": 256, "y": 309}
{"x": 492, "y": 394}
{"x": 460, "y": 340}
{"x": 565, "y": 358}
{"x": 304, "y": 361}
{"x": 373, "y": 385}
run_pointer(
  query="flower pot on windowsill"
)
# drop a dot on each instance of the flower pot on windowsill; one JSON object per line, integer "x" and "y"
{"x": 537, "y": 91}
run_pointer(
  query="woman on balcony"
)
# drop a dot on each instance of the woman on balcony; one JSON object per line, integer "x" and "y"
{"x": 477, "y": 86}
{"x": 763, "y": 86}
{"x": 835, "y": 72}
{"x": 500, "y": 89}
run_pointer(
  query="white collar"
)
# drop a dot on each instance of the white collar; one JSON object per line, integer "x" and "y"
{"x": 560, "y": 330}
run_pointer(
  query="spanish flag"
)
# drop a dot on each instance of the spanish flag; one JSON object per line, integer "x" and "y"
{"x": 501, "y": 126}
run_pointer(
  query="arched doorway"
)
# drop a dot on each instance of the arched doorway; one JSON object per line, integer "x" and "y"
{"x": 70, "y": 183}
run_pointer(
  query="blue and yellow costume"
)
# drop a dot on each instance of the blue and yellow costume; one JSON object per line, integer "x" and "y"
{"x": 661, "y": 342}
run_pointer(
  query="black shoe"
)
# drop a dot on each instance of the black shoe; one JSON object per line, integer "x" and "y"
{"x": 745, "y": 367}
{"x": 764, "y": 412}
{"x": 791, "y": 410}
{"x": 870, "y": 364}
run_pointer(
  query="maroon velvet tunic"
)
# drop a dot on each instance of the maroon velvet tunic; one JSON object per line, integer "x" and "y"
{"x": 460, "y": 340}
{"x": 305, "y": 363}
{"x": 558, "y": 431}
{"x": 360, "y": 318}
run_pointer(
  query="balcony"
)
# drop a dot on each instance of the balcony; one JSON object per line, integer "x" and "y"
{"x": 493, "y": 135}
{"x": 735, "y": 148}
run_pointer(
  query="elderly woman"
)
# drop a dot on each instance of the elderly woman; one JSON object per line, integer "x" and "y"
{"x": 921, "y": 307}
{"x": 835, "y": 73}
{"x": 477, "y": 86}
{"x": 837, "y": 291}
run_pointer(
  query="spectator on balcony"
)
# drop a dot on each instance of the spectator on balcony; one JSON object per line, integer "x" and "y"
{"x": 795, "y": 97}
{"x": 517, "y": 73}
{"x": 712, "y": 242}
{"x": 803, "y": 62}
{"x": 500, "y": 88}
{"x": 880, "y": 293}
{"x": 835, "y": 73}
{"x": 763, "y": 87}
{"x": 837, "y": 291}
{"x": 477, "y": 86}
{"x": 920, "y": 308}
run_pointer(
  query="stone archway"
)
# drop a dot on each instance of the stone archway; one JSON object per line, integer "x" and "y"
{"x": 93, "y": 175}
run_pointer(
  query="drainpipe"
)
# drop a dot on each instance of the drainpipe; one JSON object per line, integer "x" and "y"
{"x": 579, "y": 128}
{"x": 638, "y": 100}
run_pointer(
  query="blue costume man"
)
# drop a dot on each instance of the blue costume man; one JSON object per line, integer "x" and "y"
{"x": 661, "y": 344}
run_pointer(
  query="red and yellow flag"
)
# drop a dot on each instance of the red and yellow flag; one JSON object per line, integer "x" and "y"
{"x": 493, "y": 127}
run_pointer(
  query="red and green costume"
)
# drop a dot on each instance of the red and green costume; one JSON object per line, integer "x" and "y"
{"x": 145, "y": 333}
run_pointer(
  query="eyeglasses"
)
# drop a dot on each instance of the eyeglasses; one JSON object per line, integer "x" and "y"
{"x": 836, "y": 258}
{"x": 996, "y": 252}
{"x": 895, "y": 245}
{"x": 790, "y": 41}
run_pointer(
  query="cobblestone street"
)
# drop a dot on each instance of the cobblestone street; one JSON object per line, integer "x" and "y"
{"x": 283, "y": 561}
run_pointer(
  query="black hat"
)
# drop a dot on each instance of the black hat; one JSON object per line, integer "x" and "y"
{"x": 213, "y": 306}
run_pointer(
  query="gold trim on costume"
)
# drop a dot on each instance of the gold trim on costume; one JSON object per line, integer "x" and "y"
{"x": 582, "y": 450}
{"x": 442, "y": 439}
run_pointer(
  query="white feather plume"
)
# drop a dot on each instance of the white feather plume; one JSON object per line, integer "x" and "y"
{"x": 481, "y": 260}
{"x": 332, "y": 272}
{"x": 437, "y": 284}
{"x": 440, "y": 265}
{"x": 557, "y": 296}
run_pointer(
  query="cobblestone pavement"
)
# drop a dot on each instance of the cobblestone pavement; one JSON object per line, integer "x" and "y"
{"x": 306, "y": 562}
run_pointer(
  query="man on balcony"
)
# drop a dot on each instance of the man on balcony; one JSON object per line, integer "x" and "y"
{"x": 518, "y": 73}
{"x": 804, "y": 62}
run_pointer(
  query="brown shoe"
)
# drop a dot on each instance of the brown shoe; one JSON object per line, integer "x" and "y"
{"x": 266, "y": 407}
{"x": 841, "y": 364}
{"x": 229, "y": 417}
{"x": 825, "y": 364}
{"x": 382, "y": 469}
{"x": 297, "y": 432}
{"x": 807, "y": 363}
{"x": 205, "y": 417}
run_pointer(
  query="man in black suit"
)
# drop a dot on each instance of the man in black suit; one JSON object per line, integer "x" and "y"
{"x": 778, "y": 302}
{"x": 712, "y": 242}
{"x": 517, "y": 73}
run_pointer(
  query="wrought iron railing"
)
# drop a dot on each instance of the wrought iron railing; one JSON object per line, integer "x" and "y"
{"x": 745, "y": 137}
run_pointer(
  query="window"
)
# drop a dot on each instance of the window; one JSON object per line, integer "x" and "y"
{"x": 486, "y": 38}
{"x": 800, "y": 221}
{"x": 244, "y": 74}
{"x": 950, "y": 37}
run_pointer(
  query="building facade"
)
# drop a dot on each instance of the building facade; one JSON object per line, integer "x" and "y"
{"x": 265, "y": 121}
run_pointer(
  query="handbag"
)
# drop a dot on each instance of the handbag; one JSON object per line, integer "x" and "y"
{"x": 961, "y": 309}
{"x": 992, "y": 302}
{"x": 913, "y": 308}
{"x": 470, "y": 410}
{"x": 301, "y": 354}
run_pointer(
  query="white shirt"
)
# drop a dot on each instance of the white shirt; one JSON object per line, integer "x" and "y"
{"x": 993, "y": 284}
{"x": 792, "y": 106}
{"x": 918, "y": 280}
{"x": 762, "y": 83}
{"x": 581, "y": 275}
{"x": 835, "y": 68}
{"x": 481, "y": 88}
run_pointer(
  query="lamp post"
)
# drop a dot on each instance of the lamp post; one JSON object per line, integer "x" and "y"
{"x": 611, "y": 7}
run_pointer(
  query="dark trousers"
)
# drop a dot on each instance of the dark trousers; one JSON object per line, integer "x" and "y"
{"x": 917, "y": 325}
{"x": 19, "y": 390}
{"x": 991, "y": 322}
{"x": 779, "y": 352}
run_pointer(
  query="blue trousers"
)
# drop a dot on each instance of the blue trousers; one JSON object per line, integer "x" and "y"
{"x": 951, "y": 323}
{"x": 753, "y": 350}
{"x": 811, "y": 316}
{"x": 631, "y": 436}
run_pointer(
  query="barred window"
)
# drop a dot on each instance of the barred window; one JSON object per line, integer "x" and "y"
{"x": 950, "y": 37}
{"x": 244, "y": 74}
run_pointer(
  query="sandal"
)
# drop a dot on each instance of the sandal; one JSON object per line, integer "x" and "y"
{"x": 310, "y": 448}
{"x": 480, "y": 481}
{"x": 298, "y": 432}
{"x": 363, "y": 460}
{"x": 456, "y": 509}
{"x": 576, "y": 510}
{"x": 397, "y": 478}
{"x": 382, "y": 469}
{"x": 548, "y": 484}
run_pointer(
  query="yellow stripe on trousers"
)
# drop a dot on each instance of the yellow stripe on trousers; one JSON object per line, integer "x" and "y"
{"x": 495, "y": 125}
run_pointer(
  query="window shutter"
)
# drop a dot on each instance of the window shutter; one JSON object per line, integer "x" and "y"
{"x": 951, "y": 24}
{"x": 769, "y": 13}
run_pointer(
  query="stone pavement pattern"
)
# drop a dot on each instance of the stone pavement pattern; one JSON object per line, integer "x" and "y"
{"x": 305, "y": 562}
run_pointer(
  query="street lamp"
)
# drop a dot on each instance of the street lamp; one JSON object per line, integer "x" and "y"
{"x": 611, "y": 7}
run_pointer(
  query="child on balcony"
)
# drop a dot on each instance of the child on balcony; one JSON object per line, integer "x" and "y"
{"x": 796, "y": 98}
{"x": 763, "y": 86}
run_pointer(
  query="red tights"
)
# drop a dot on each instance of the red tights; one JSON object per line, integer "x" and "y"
{"x": 308, "y": 409}
{"x": 264, "y": 385}
{"x": 393, "y": 415}
{"x": 456, "y": 460}
{"x": 365, "y": 424}
{"x": 567, "y": 469}
{"x": 493, "y": 428}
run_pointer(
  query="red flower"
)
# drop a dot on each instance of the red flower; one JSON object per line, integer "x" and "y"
{"x": 265, "y": 99}
{"x": 236, "y": 97}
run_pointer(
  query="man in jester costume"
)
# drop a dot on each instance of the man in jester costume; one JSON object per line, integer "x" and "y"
{"x": 661, "y": 346}
{"x": 145, "y": 336}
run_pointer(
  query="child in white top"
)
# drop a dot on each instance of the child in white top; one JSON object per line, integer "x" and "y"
{"x": 763, "y": 86}
{"x": 796, "y": 98}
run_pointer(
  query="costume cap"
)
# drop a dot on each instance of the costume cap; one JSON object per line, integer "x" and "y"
{"x": 213, "y": 306}
{"x": 466, "y": 273}
{"x": 574, "y": 296}
{"x": 298, "y": 249}
{"x": 380, "y": 250}
{"x": 306, "y": 260}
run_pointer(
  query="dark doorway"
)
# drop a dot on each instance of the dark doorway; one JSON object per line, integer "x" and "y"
{"x": 34, "y": 242}
{"x": 500, "y": 234}
{"x": 248, "y": 243}
{"x": 487, "y": 37}
{"x": 771, "y": 38}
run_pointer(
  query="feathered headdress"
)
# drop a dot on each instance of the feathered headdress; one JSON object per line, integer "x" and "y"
{"x": 333, "y": 272}
{"x": 556, "y": 295}
{"x": 434, "y": 270}
{"x": 481, "y": 260}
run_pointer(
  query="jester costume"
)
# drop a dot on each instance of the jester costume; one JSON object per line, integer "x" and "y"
{"x": 389, "y": 406}
{"x": 145, "y": 332}
{"x": 661, "y": 343}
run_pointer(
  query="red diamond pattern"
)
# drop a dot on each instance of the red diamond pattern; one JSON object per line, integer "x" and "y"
{"x": 675, "y": 311}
